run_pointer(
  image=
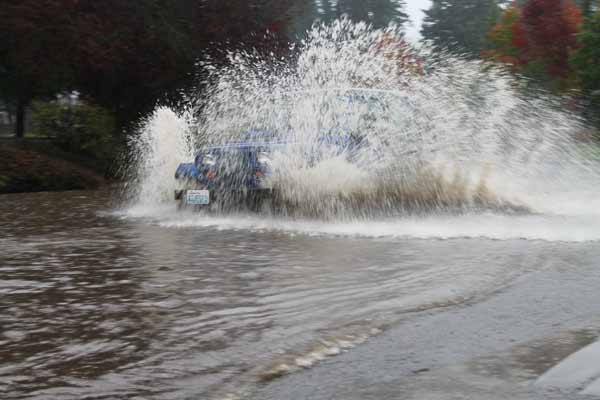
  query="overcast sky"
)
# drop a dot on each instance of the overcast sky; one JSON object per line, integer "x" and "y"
{"x": 413, "y": 9}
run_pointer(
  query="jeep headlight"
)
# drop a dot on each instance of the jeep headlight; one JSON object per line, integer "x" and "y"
{"x": 263, "y": 159}
{"x": 208, "y": 160}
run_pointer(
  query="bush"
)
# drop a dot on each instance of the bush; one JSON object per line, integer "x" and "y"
{"x": 84, "y": 129}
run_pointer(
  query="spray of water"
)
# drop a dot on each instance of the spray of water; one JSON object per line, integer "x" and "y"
{"x": 435, "y": 132}
{"x": 164, "y": 141}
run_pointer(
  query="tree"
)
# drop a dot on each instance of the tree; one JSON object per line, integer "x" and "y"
{"x": 33, "y": 48}
{"x": 550, "y": 28}
{"x": 159, "y": 41}
{"x": 586, "y": 62}
{"x": 588, "y": 7}
{"x": 586, "y": 59}
{"x": 304, "y": 14}
{"x": 538, "y": 40}
{"x": 380, "y": 13}
{"x": 460, "y": 25}
{"x": 327, "y": 10}
{"x": 125, "y": 55}
{"x": 507, "y": 38}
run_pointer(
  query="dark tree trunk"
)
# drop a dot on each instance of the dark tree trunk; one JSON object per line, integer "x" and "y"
{"x": 20, "y": 119}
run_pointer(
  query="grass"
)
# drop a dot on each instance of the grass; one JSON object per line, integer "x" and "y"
{"x": 25, "y": 168}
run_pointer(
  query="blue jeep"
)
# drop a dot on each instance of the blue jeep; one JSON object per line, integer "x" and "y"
{"x": 239, "y": 173}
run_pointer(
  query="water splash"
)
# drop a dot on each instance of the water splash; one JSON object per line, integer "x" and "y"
{"x": 438, "y": 132}
{"x": 164, "y": 141}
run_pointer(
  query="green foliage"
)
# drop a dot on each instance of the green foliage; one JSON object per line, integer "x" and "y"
{"x": 587, "y": 6}
{"x": 125, "y": 55}
{"x": 4, "y": 180}
{"x": 304, "y": 15}
{"x": 586, "y": 62}
{"x": 587, "y": 59}
{"x": 85, "y": 130}
{"x": 379, "y": 13}
{"x": 460, "y": 25}
{"x": 504, "y": 39}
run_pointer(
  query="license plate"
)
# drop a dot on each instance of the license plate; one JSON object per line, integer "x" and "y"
{"x": 197, "y": 197}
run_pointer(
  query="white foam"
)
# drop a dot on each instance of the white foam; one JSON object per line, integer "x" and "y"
{"x": 488, "y": 225}
{"x": 162, "y": 144}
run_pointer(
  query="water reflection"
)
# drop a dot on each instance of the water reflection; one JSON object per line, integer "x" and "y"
{"x": 69, "y": 285}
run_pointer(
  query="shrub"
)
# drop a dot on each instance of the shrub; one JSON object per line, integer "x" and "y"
{"x": 83, "y": 129}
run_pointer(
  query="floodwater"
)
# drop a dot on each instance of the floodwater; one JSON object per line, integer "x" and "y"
{"x": 102, "y": 303}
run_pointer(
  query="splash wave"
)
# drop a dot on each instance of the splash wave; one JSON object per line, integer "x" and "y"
{"x": 439, "y": 133}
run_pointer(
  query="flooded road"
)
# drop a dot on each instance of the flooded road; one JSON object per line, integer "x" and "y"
{"x": 97, "y": 303}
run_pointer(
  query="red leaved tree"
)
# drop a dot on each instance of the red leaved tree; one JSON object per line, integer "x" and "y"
{"x": 538, "y": 39}
{"x": 507, "y": 38}
{"x": 550, "y": 28}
